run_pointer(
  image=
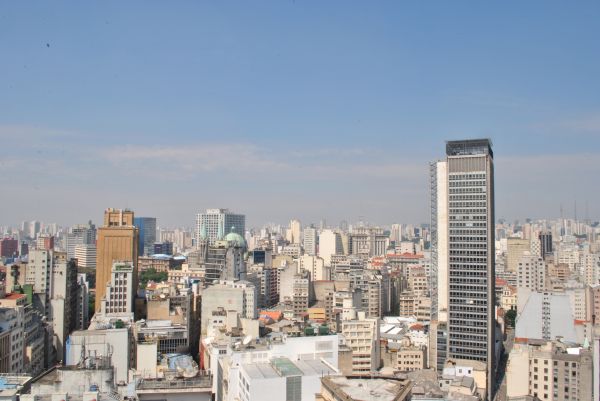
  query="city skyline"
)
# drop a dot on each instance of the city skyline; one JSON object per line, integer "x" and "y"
{"x": 267, "y": 114}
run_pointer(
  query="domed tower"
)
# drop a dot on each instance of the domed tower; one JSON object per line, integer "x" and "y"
{"x": 235, "y": 239}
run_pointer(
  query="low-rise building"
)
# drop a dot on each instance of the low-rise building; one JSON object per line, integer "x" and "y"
{"x": 341, "y": 388}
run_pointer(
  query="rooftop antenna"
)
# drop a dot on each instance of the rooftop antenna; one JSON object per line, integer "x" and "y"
{"x": 575, "y": 211}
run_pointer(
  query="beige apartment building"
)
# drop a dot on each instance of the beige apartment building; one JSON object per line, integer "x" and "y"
{"x": 516, "y": 248}
{"x": 362, "y": 336}
{"x": 550, "y": 371}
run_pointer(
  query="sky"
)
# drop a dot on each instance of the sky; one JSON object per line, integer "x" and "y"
{"x": 293, "y": 109}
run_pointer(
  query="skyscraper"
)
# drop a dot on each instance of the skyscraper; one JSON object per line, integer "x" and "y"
{"x": 216, "y": 223}
{"x": 117, "y": 241}
{"x": 471, "y": 268}
{"x": 147, "y": 229}
{"x": 545, "y": 243}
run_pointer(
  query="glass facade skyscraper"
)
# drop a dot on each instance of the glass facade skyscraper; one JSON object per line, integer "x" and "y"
{"x": 147, "y": 229}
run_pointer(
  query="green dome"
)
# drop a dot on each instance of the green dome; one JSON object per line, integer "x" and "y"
{"x": 237, "y": 239}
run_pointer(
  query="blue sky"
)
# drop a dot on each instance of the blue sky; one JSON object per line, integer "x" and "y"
{"x": 282, "y": 109}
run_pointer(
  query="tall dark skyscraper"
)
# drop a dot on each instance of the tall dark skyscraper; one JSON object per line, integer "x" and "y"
{"x": 545, "y": 244}
{"x": 471, "y": 268}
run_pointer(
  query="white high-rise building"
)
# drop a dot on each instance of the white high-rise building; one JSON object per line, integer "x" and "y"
{"x": 78, "y": 235}
{"x": 439, "y": 240}
{"x": 309, "y": 241}
{"x": 214, "y": 224}
{"x": 396, "y": 233}
{"x": 330, "y": 243}
{"x": 293, "y": 233}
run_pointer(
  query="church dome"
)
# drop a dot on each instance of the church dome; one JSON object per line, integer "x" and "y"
{"x": 237, "y": 239}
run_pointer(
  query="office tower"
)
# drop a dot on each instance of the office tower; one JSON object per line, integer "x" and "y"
{"x": 309, "y": 239}
{"x": 546, "y": 243}
{"x": 516, "y": 248}
{"x": 216, "y": 223}
{"x": 471, "y": 278}
{"x": 117, "y": 241}
{"x": 80, "y": 234}
{"x": 147, "y": 229}
{"x": 162, "y": 248}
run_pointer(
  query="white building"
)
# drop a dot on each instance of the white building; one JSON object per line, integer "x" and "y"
{"x": 214, "y": 224}
{"x": 119, "y": 291}
{"x": 362, "y": 336}
{"x": 112, "y": 344}
{"x": 225, "y": 359}
{"x": 315, "y": 266}
{"x": 85, "y": 255}
{"x": 439, "y": 240}
{"x": 280, "y": 379}
{"x": 240, "y": 296}
{"x": 309, "y": 241}
{"x": 330, "y": 243}
{"x": 293, "y": 233}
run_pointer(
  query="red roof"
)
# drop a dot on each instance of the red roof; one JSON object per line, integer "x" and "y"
{"x": 14, "y": 295}
{"x": 417, "y": 326}
{"x": 276, "y": 315}
{"x": 500, "y": 282}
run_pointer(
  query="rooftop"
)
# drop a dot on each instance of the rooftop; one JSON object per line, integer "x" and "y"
{"x": 362, "y": 388}
{"x": 469, "y": 147}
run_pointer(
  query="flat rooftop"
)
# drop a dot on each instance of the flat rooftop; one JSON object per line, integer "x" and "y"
{"x": 380, "y": 389}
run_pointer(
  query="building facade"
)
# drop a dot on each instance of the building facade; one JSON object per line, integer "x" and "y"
{"x": 471, "y": 253}
{"x": 117, "y": 240}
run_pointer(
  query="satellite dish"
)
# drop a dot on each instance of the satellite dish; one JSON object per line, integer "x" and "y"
{"x": 247, "y": 340}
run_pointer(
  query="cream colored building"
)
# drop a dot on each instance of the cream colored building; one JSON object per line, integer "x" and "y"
{"x": 315, "y": 266}
{"x": 362, "y": 336}
{"x": 531, "y": 272}
{"x": 516, "y": 248}
{"x": 411, "y": 358}
{"x": 549, "y": 370}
